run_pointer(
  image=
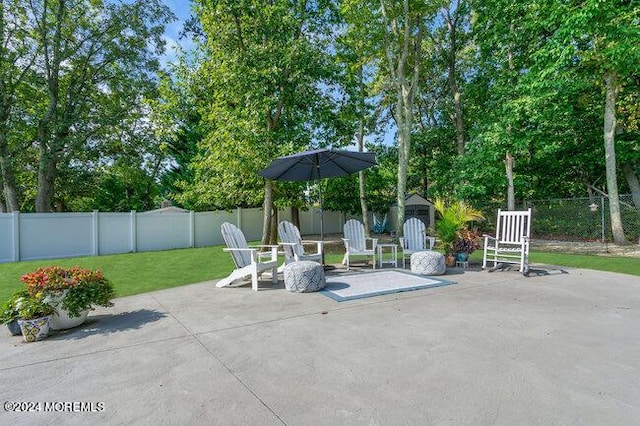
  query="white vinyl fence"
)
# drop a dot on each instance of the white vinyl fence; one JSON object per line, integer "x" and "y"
{"x": 30, "y": 236}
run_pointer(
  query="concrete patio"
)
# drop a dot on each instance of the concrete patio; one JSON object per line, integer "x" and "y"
{"x": 495, "y": 348}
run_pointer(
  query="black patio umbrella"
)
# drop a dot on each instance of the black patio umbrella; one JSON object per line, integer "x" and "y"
{"x": 318, "y": 164}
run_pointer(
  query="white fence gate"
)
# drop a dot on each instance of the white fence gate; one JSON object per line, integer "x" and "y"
{"x": 30, "y": 236}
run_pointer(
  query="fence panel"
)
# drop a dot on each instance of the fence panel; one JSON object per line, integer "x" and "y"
{"x": 251, "y": 223}
{"x": 7, "y": 238}
{"x": 114, "y": 230}
{"x": 163, "y": 231}
{"x": 71, "y": 236}
{"x": 207, "y": 225}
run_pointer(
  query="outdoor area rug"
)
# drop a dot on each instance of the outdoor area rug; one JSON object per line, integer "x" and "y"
{"x": 359, "y": 286}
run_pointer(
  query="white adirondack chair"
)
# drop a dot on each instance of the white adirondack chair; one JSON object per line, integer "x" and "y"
{"x": 511, "y": 243}
{"x": 294, "y": 245}
{"x": 249, "y": 261}
{"x": 415, "y": 238}
{"x": 355, "y": 242}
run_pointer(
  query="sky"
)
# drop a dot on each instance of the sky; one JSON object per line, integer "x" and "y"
{"x": 182, "y": 10}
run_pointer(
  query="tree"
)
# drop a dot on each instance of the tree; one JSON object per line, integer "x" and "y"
{"x": 95, "y": 60}
{"x": 263, "y": 72}
{"x": 357, "y": 56}
{"x": 450, "y": 41}
{"x": 601, "y": 37}
{"x": 403, "y": 26}
{"x": 508, "y": 35}
{"x": 18, "y": 53}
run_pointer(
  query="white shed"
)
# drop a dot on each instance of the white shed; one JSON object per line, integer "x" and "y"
{"x": 415, "y": 205}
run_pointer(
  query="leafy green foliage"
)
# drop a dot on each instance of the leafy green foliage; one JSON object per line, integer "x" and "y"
{"x": 264, "y": 69}
{"x": 453, "y": 218}
{"x": 80, "y": 289}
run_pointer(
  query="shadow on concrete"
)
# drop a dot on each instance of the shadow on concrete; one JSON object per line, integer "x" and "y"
{"x": 110, "y": 324}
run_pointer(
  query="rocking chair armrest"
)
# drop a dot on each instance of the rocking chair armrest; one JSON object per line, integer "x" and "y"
{"x": 263, "y": 245}
{"x": 313, "y": 242}
{"x": 374, "y": 242}
{"x": 489, "y": 237}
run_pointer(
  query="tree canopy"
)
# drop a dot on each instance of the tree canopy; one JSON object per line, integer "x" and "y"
{"x": 491, "y": 102}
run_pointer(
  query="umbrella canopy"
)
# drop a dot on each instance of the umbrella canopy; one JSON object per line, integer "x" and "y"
{"x": 315, "y": 165}
{"x": 318, "y": 164}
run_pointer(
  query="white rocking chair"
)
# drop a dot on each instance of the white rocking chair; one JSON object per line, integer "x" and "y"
{"x": 294, "y": 245}
{"x": 248, "y": 260}
{"x": 415, "y": 238}
{"x": 511, "y": 243}
{"x": 355, "y": 242}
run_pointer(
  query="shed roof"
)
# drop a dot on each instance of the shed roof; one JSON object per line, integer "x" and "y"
{"x": 414, "y": 199}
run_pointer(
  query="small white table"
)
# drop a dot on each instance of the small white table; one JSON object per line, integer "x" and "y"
{"x": 393, "y": 260}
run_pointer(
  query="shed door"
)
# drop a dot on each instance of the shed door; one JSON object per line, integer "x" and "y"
{"x": 421, "y": 212}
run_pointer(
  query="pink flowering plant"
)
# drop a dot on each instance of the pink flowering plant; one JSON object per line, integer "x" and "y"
{"x": 84, "y": 288}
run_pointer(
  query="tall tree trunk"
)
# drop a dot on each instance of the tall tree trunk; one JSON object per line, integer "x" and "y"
{"x": 267, "y": 208}
{"x": 511, "y": 197}
{"x": 48, "y": 161}
{"x": 408, "y": 46}
{"x": 611, "y": 86}
{"x": 361, "y": 177}
{"x": 634, "y": 184}
{"x": 8, "y": 177}
{"x": 404, "y": 141}
{"x": 273, "y": 240}
{"x": 295, "y": 216}
{"x": 47, "y": 170}
{"x": 453, "y": 85}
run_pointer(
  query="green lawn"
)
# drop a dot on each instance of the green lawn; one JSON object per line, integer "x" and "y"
{"x": 135, "y": 273}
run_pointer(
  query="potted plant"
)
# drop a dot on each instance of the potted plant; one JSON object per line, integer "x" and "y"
{"x": 72, "y": 291}
{"x": 34, "y": 314}
{"x": 453, "y": 219}
{"x": 467, "y": 241}
{"x": 10, "y": 313}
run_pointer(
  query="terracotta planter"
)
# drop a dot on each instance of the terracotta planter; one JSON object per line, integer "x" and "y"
{"x": 450, "y": 260}
{"x": 35, "y": 329}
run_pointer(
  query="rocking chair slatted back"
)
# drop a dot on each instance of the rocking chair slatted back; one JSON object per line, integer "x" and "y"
{"x": 513, "y": 226}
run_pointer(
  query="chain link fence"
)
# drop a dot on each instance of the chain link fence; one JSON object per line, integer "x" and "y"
{"x": 573, "y": 219}
{"x": 583, "y": 219}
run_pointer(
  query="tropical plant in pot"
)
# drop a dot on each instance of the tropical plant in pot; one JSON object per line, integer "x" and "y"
{"x": 34, "y": 313}
{"x": 453, "y": 218}
{"x": 467, "y": 241}
{"x": 73, "y": 291}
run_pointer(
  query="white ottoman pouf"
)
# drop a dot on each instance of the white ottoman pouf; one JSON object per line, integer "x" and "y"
{"x": 428, "y": 263}
{"x": 304, "y": 276}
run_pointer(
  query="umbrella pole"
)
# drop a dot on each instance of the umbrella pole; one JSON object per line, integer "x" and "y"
{"x": 321, "y": 218}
